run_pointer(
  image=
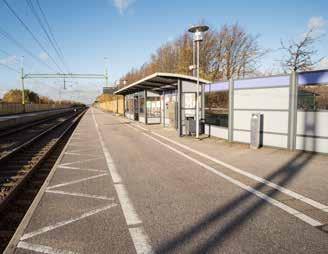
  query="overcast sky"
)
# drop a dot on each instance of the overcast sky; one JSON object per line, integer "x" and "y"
{"x": 129, "y": 31}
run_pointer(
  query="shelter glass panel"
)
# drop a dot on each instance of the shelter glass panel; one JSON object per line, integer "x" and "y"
{"x": 217, "y": 108}
{"x": 153, "y": 107}
{"x": 141, "y": 102}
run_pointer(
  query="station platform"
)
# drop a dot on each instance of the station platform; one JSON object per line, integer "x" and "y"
{"x": 77, "y": 208}
{"x": 122, "y": 187}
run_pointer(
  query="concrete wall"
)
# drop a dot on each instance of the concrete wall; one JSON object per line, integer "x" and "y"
{"x": 216, "y": 131}
{"x": 272, "y": 103}
{"x": 114, "y": 104}
{"x": 16, "y": 108}
{"x": 270, "y": 96}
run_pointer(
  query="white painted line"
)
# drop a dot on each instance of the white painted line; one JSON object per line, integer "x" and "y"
{"x": 82, "y": 161}
{"x": 78, "y": 194}
{"x": 76, "y": 181}
{"x": 85, "y": 169}
{"x": 82, "y": 145}
{"x": 83, "y": 155}
{"x": 66, "y": 222}
{"x": 111, "y": 167}
{"x": 83, "y": 150}
{"x": 288, "y": 192}
{"x": 42, "y": 248}
{"x": 261, "y": 195}
{"x": 130, "y": 213}
{"x": 140, "y": 240}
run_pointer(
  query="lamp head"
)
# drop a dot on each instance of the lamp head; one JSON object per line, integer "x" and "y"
{"x": 198, "y": 31}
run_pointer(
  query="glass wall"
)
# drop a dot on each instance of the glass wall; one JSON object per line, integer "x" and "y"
{"x": 141, "y": 96}
{"x": 217, "y": 108}
{"x": 129, "y": 106}
{"x": 153, "y": 107}
{"x": 313, "y": 98}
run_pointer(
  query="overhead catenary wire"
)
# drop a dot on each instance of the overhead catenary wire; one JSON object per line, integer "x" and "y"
{"x": 49, "y": 36}
{"x": 9, "y": 37}
{"x": 9, "y": 67}
{"x": 5, "y": 52}
{"x": 31, "y": 33}
{"x": 9, "y": 55}
{"x": 50, "y": 30}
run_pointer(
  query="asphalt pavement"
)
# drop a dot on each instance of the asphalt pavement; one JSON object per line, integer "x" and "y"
{"x": 122, "y": 188}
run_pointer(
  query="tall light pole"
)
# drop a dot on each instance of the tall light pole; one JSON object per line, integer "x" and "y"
{"x": 106, "y": 71}
{"x": 198, "y": 32}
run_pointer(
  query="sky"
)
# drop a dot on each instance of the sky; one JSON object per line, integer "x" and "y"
{"x": 127, "y": 32}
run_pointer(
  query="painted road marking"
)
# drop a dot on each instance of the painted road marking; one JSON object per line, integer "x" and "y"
{"x": 139, "y": 237}
{"x": 288, "y": 192}
{"x": 66, "y": 222}
{"x": 130, "y": 213}
{"x": 42, "y": 248}
{"x": 83, "y": 150}
{"x": 76, "y": 181}
{"x": 82, "y": 161}
{"x": 261, "y": 195}
{"x": 140, "y": 240}
{"x": 86, "y": 169}
{"x": 76, "y": 194}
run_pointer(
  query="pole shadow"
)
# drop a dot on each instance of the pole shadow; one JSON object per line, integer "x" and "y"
{"x": 282, "y": 176}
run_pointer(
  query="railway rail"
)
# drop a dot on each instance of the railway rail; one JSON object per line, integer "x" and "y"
{"x": 12, "y": 138}
{"x": 24, "y": 169}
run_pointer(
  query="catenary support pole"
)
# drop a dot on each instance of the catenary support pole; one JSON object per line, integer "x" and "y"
{"x": 22, "y": 81}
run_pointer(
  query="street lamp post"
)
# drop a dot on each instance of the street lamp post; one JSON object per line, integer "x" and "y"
{"x": 198, "y": 37}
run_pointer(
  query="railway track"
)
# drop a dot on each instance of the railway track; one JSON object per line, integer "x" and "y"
{"x": 11, "y": 139}
{"x": 24, "y": 169}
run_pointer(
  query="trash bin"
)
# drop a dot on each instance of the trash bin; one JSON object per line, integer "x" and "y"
{"x": 190, "y": 124}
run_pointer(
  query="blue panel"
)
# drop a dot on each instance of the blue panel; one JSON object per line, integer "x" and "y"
{"x": 316, "y": 77}
{"x": 220, "y": 86}
{"x": 262, "y": 82}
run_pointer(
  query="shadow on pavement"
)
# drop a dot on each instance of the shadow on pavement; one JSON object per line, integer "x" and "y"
{"x": 282, "y": 176}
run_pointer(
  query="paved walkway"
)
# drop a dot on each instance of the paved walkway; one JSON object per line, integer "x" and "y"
{"x": 123, "y": 188}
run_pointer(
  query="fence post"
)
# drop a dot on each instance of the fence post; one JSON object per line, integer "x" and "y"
{"x": 292, "y": 111}
{"x": 230, "y": 113}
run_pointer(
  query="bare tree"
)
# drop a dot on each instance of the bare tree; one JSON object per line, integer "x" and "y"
{"x": 236, "y": 53}
{"x": 300, "y": 54}
{"x": 228, "y": 53}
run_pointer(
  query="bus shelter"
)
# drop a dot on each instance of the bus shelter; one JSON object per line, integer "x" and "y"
{"x": 164, "y": 98}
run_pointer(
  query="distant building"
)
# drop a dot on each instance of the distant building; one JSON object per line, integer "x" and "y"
{"x": 109, "y": 89}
